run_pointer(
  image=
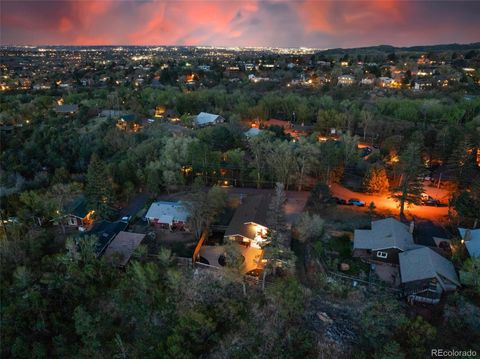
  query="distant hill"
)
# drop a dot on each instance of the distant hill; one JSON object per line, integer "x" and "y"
{"x": 390, "y": 49}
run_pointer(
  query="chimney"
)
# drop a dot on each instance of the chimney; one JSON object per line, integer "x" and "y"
{"x": 412, "y": 227}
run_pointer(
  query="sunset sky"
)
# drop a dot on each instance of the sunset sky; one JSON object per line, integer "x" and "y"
{"x": 276, "y": 23}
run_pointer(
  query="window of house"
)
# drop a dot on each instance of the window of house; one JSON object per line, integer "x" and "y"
{"x": 383, "y": 255}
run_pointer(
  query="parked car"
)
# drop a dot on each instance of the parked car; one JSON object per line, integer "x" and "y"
{"x": 432, "y": 202}
{"x": 365, "y": 152}
{"x": 339, "y": 200}
{"x": 356, "y": 202}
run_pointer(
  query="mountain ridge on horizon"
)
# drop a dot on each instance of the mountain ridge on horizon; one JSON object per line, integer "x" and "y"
{"x": 381, "y": 47}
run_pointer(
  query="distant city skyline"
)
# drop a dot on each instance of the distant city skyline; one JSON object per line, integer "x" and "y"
{"x": 278, "y": 23}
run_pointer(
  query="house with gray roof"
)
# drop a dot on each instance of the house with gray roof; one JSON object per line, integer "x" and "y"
{"x": 252, "y": 132}
{"x": 425, "y": 275}
{"x": 205, "y": 119}
{"x": 382, "y": 244}
{"x": 389, "y": 247}
{"x": 66, "y": 109}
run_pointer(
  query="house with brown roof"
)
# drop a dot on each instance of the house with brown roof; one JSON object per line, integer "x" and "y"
{"x": 249, "y": 222}
{"x": 121, "y": 248}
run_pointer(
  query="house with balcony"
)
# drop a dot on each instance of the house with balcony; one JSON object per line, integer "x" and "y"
{"x": 421, "y": 272}
{"x": 425, "y": 275}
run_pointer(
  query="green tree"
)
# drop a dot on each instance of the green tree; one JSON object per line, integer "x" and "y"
{"x": 306, "y": 156}
{"x": 258, "y": 146}
{"x": 380, "y": 319}
{"x": 234, "y": 267}
{"x": 175, "y": 157}
{"x": 376, "y": 180}
{"x": 98, "y": 189}
{"x": 277, "y": 252}
{"x": 467, "y": 203}
{"x": 281, "y": 160}
{"x": 410, "y": 187}
{"x": 193, "y": 335}
{"x": 414, "y": 335}
{"x": 390, "y": 350}
{"x": 154, "y": 178}
{"x": 36, "y": 208}
{"x": 471, "y": 269}
{"x": 309, "y": 227}
{"x": 350, "y": 149}
{"x": 204, "y": 207}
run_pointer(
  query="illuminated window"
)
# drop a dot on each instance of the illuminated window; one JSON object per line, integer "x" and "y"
{"x": 383, "y": 255}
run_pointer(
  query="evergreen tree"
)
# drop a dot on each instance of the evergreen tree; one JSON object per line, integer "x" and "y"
{"x": 462, "y": 162}
{"x": 376, "y": 180}
{"x": 98, "y": 189}
{"x": 467, "y": 203}
{"x": 278, "y": 253}
{"x": 410, "y": 187}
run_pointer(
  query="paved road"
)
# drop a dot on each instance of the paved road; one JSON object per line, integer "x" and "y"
{"x": 436, "y": 214}
{"x": 135, "y": 205}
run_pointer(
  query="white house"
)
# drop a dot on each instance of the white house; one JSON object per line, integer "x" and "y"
{"x": 385, "y": 81}
{"x": 171, "y": 215}
{"x": 367, "y": 81}
{"x": 346, "y": 80}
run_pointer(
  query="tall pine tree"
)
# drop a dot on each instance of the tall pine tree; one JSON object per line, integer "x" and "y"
{"x": 376, "y": 180}
{"x": 410, "y": 187}
{"x": 98, "y": 190}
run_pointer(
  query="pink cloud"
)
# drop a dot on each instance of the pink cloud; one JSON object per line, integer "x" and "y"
{"x": 65, "y": 24}
{"x": 174, "y": 22}
{"x": 318, "y": 23}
